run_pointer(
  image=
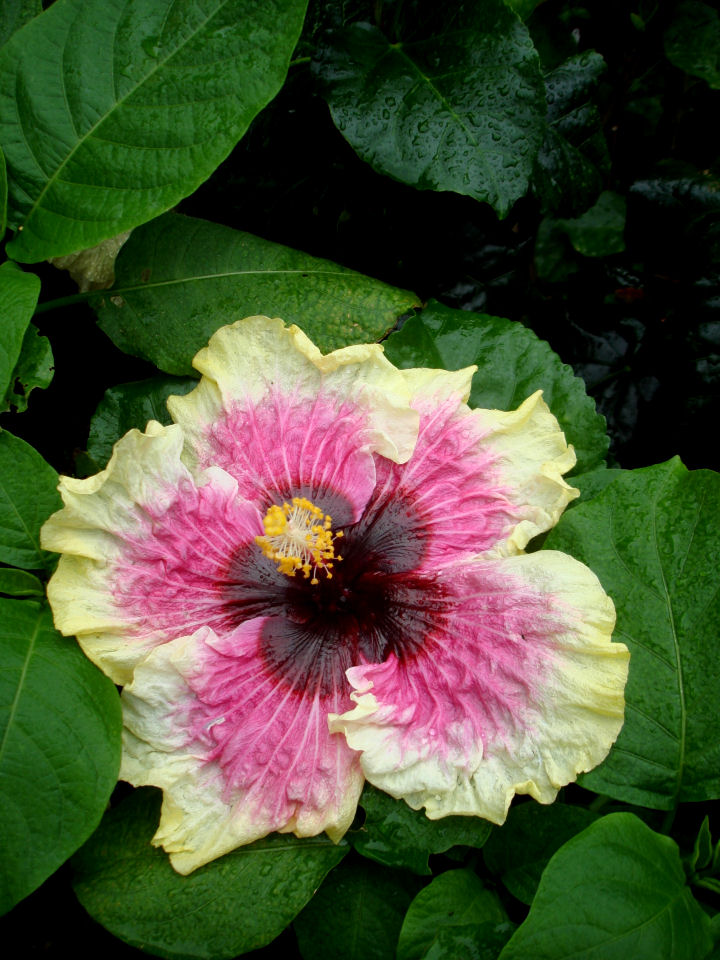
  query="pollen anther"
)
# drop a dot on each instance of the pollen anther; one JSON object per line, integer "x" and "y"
{"x": 299, "y": 536}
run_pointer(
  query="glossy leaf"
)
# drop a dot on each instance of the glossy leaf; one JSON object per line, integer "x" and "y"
{"x": 455, "y": 901}
{"x": 59, "y": 747}
{"x": 615, "y": 891}
{"x": 512, "y": 364}
{"x": 599, "y": 232}
{"x": 19, "y": 292}
{"x": 35, "y": 368}
{"x": 20, "y": 583}
{"x": 178, "y": 279}
{"x": 462, "y": 110}
{"x": 131, "y": 405}
{"x": 520, "y": 850}
{"x": 398, "y": 836}
{"x": 15, "y": 14}
{"x": 651, "y": 537}
{"x": 356, "y": 914}
{"x": 230, "y": 906}
{"x": 692, "y": 41}
{"x": 568, "y": 172}
{"x": 28, "y": 495}
{"x": 112, "y": 112}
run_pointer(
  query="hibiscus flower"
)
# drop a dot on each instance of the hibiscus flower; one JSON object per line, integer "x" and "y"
{"x": 317, "y": 576}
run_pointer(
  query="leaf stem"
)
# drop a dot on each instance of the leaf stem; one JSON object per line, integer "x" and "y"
{"x": 66, "y": 301}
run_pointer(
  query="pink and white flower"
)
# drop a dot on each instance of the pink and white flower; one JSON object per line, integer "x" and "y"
{"x": 317, "y": 576}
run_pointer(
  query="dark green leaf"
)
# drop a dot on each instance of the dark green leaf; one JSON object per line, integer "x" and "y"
{"x": 651, "y": 537}
{"x": 398, "y": 836}
{"x": 616, "y": 891}
{"x": 463, "y": 110}
{"x": 456, "y": 900}
{"x": 356, "y": 914}
{"x": 519, "y": 850}
{"x": 15, "y": 14}
{"x": 470, "y": 941}
{"x": 178, "y": 279}
{"x": 569, "y": 168}
{"x": 702, "y": 851}
{"x": 692, "y": 41}
{"x": 112, "y": 112}
{"x": 230, "y": 906}
{"x": 59, "y": 747}
{"x": 512, "y": 364}
{"x": 523, "y": 8}
{"x": 28, "y": 495}
{"x": 131, "y": 405}
{"x": 35, "y": 368}
{"x": 20, "y": 583}
{"x": 3, "y": 195}
{"x": 599, "y": 232}
{"x": 19, "y": 293}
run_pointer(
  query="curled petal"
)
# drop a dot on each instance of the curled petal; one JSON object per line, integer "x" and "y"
{"x": 237, "y": 753}
{"x": 284, "y": 420}
{"x": 519, "y": 692}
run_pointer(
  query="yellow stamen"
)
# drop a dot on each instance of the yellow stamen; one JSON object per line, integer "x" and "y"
{"x": 298, "y": 536}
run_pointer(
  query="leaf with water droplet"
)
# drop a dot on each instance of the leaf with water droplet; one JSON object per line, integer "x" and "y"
{"x": 466, "y": 102}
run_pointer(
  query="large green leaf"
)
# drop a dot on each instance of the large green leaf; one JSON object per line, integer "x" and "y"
{"x": 512, "y": 364}
{"x": 59, "y": 747}
{"x": 520, "y": 849}
{"x": 113, "y": 110}
{"x": 568, "y": 171}
{"x": 398, "y": 836}
{"x": 234, "y": 904}
{"x": 455, "y": 902}
{"x": 692, "y": 41}
{"x": 28, "y": 495}
{"x": 129, "y": 405}
{"x": 356, "y": 914}
{"x": 178, "y": 279}
{"x": 653, "y": 538}
{"x": 19, "y": 292}
{"x": 614, "y": 892}
{"x": 462, "y": 110}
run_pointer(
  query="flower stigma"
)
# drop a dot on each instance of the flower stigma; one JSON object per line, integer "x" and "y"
{"x": 299, "y": 536}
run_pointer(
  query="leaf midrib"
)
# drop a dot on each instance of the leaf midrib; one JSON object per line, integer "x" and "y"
{"x": 21, "y": 683}
{"x": 119, "y": 291}
{"x": 117, "y": 105}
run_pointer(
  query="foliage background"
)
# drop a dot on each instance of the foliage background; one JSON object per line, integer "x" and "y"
{"x": 610, "y": 252}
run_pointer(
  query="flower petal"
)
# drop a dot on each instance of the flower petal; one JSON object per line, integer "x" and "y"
{"x": 284, "y": 420}
{"x": 479, "y": 481}
{"x": 237, "y": 753}
{"x": 521, "y": 691}
{"x": 146, "y": 552}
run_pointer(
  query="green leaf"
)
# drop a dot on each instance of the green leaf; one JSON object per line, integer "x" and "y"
{"x": 568, "y": 172}
{"x": 512, "y": 364}
{"x": 456, "y": 900}
{"x": 519, "y": 850}
{"x": 28, "y": 495}
{"x": 398, "y": 836}
{"x": 15, "y": 14}
{"x": 131, "y": 405}
{"x": 702, "y": 850}
{"x": 652, "y": 537}
{"x": 3, "y": 195}
{"x": 230, "y": 906}
{"x": 178, "y": 279}
{"x": 356, "y": 914}
{"x": 59, "y": 747}
{"x": 615, "y": 891}
{"x": 19, "y": 292}
{"x": 692, "y": 41}
{"x": 462, "y": 110}
{"x": 599, "y": 231}
{"x": 593, "y": 483}
{"x": 20, "y": 583}
{"x": 523, "y": 8}
{"x": 113, "y": 112}
{"x": 35, "y": 368}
